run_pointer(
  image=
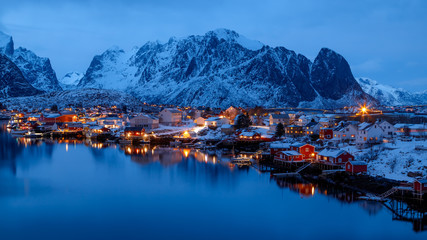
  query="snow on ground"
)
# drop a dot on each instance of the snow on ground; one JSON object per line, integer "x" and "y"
{"x": 394, "y": 160}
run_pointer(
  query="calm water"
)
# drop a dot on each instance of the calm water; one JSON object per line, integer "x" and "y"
{"x": 93, "y": 191}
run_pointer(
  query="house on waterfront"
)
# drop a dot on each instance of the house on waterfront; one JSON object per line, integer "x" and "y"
{"x": 61, "y": 117}
{"x": 249, "y": 136}
{"x": 112, "y": 121}
{"x": 276, "y": 147}
{"x": 307, "y": 151}
{"x": 420, "y": 185}
{"x": 356, "y": 167}
{"x": 288, "y": 156}
{"x": 334, "y": 156}
{"x": 134, "y": 132}
{"x": 148, "y": 122}
{"x": 170, "y": 117}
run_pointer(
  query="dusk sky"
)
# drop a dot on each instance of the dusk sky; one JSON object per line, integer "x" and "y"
{"x": 382, "y": 40}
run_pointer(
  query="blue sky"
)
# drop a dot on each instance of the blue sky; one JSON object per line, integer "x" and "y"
{"x": 382, "y": 40}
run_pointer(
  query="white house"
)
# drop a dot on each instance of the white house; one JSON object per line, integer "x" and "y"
{"x": 148, "y": 122}
{"x": 170, "y": 117}
{"x": 279, "y": 118}
{"x": 345, "y": 131}
{"x": 368, "y": 132}
{"x": 387, "y": 127}
{"x": 216, "y": 121}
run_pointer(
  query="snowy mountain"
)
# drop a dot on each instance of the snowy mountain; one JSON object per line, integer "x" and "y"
{"x": 70, "y": 80}
{"x": 79, "y": 97}
{"x": 12, "y": 81}
{"x": 36, "y": 70}
{"x": 223, "y": 68}
{"x": 6, "y": 44}
{"x": 391, "y": 96}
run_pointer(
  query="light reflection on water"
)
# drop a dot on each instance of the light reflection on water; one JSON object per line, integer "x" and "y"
{"x": 68, "y": 189}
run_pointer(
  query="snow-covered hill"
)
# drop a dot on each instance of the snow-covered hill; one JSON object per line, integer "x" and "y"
{"x": 391, "y": 96}
{"x": 79, "y": 97}
{"x": 223, "y": 68}
{"x": 12, "y": 81}
{"x": 70, "y": 80}
{"x": 36, "y": 70}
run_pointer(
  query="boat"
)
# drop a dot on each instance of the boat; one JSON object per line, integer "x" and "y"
{"x": 241, "y": 161}
{"x": 18, "y": 132}
{"x": 32, "y": 134}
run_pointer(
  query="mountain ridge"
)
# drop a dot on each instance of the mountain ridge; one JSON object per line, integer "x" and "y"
{"x": 216, "y": 70}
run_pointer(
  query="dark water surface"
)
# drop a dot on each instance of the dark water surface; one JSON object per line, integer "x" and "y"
{"x": 59, "y": 190}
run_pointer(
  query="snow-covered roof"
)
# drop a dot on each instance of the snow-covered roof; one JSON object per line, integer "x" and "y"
{"x": 291, "y": 153}
{"x": 280, "y": 116}
{"x": 280, "y": 145}
{"x": 248, "y": 134}
{"x": 365, "y": 126}
{"x": 213, "y": 119}
{"x": 357, "y": 163}
{"x": 226, "y": 126}
{"x": 51, "y": 115}
{"x": 331, "y": 152}
{"x": 298, "y": 144}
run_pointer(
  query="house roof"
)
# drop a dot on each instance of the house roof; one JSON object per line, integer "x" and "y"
{"x": 213, "y": 119}
{"x": 280, "y": 116}
{"x": 172, "y": 110}
{"x": 133, "y": 129}
{"x": 365, "y": 126}
{"x": 357, "y": 163}
{"x": 248, "y": 134}
{"x": 291, "y": 153}
{"x": 311, "y": 124}
{"x": 280, "y": 145}
{"x": 332, "y": 152}
{"x": 298, "y": 144}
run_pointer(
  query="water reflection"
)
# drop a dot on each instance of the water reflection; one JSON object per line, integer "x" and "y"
{"x": 136, "y": 183}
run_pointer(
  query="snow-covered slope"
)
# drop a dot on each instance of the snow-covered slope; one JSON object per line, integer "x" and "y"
{"x": 79, "y": 97}
{"x": 36, "y": 70}
{"x": 223, "y": 68}
{"x": 70, "y": 80}
{"x": 12, "y": 81}
{"x": 6, "y": 44}
{"x": 391, "y": 96}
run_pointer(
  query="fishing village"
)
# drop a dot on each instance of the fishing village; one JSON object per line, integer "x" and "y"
{"x": 379, "y": 155}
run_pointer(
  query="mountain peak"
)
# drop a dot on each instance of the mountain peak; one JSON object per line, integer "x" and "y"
{"x": 6, "y": 44}
{"x": 232, "y": 36}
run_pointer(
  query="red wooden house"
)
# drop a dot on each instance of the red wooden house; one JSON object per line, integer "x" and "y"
{"x": 288, "y": 156}
{"x": 420, "y": 185}
{"x": 59, "y": 118}
{"x": 249, "y": 136}
{"x": 326, "y": 133}
{"x": 334, "y": 156}
{"x": 307, "y": 151}
{"x": 279, "y": 147}
{"x": 356, "y": 167}
{"x": 134, "y": 132}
